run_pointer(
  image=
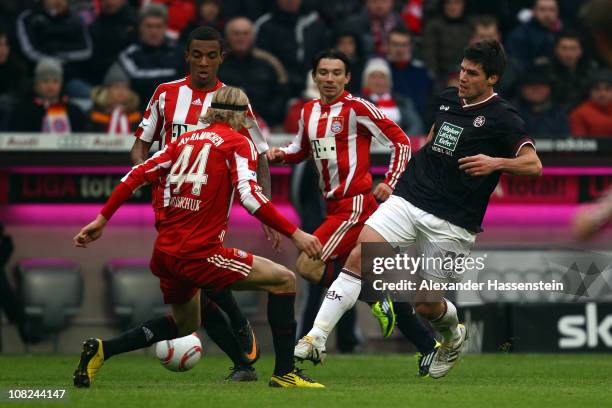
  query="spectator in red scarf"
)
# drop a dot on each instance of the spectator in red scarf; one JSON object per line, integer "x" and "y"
{"x": 376, "y": 87}
{"x": 115, "y": 108}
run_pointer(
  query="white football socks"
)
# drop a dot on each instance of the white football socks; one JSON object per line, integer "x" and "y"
{"x": 446, "y": 324}
{"x": 340, "y": 297}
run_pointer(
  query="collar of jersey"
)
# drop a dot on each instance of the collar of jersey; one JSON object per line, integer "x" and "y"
{"x": 218, "y": 85}
{"x": 477, "y": 104}
{"x": 342, "y": 96}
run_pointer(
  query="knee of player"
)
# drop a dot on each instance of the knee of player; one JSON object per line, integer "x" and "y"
{"x": 425, "y": 309}
{"x": 286, "y": 281}
{"x": 353, "y": 262}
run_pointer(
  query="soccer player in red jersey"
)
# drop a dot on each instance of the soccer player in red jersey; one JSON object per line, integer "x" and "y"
{"x": 175, "y": 108}
{"x": 336, "y": 131}
{"x": 198, "y": 174}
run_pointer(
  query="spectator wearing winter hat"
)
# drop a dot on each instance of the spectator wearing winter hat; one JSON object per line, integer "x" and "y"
{"x": 376, "y": 86}
{"x": 594, "y": 116}
{"x": 47, "y": 109}
{"x": 115, "y": 105}
{"x": 541, "y": 115}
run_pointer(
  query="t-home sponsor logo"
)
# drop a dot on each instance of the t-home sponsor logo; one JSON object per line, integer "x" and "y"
{"x": 448, "y": 136}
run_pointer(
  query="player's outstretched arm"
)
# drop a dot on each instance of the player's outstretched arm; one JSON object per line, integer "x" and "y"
{"x": 144, "y": 173}
{"x": 297, "y": 151}
{"x": 275, "y": 155}
{"x": 526, "y": 163}
{"x": 93, "y": 230}
{"x": 90, "y": 232}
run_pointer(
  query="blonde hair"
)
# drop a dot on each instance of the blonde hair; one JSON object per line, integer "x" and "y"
{"x": 228, "y": 95}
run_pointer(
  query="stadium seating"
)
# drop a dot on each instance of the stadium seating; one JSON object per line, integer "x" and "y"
{"x": 134, "y": 292}
{"x": 52, "y": 292}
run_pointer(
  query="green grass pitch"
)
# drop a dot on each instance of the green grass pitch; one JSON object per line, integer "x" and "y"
{"x": 386, "y": 380}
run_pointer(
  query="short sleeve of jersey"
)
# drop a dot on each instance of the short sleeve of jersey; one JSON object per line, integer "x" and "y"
{"x": 513, "y": 133}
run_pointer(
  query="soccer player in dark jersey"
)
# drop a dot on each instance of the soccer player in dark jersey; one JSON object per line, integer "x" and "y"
{"x": 440, "y": 200}
{"x": 174, "y": 109}
{"x": 199, "y": 173}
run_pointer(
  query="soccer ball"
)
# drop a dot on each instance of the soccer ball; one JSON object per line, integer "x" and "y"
{"x": 180, "y": 354}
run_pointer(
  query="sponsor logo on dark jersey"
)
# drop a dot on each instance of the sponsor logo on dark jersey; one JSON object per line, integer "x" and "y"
{"x": 447, "y": 138}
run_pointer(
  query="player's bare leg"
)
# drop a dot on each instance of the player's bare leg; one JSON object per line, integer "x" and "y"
{"x": 185, "y": 319}
{"x": 279, "y": 282}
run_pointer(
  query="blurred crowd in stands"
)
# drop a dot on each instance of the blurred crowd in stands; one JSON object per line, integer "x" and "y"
{"x": 92, "y": 65}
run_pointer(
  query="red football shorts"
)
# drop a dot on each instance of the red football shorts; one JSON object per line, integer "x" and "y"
{"x": 340, "y": 229}
{"x": 180, "y": 279}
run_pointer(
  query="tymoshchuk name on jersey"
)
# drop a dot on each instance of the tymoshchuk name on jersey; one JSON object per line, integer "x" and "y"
{"x": 433, "y": 180}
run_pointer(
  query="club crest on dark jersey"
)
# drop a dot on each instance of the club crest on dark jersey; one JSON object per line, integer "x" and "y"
{"x": 337, "y": 124}
{"x": 479, "y": 121}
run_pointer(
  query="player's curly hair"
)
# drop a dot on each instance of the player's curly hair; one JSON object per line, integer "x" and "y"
{"x": 234, "y": 110}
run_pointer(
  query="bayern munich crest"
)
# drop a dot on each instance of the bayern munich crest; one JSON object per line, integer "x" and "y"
{"x": 337, "y": 124}
{"x": 240, "y": 253}
{"x": 479, "y": 121}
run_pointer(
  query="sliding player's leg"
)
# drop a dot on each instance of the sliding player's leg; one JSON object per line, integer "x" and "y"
{"x": 185, "y": 319}
{"x": 279, "y": 282}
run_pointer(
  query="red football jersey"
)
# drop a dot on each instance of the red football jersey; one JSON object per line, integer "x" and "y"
{"x": 197, "y": 174}
{"x": 338, "y": 137}
{"x": 175, "y": 109}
